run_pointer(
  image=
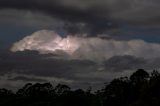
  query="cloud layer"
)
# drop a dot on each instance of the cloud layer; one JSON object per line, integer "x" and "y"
{"x": 30, "y": 66}
{"x": 74, "y": 60}
{"x": 94, "y": 48}
{"x": 91, "y": 17}
{"x": 82, "y": 49}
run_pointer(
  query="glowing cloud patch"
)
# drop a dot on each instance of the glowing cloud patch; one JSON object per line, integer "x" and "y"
{"x": 46, "y": 41}
{"x": 92, "y": 48}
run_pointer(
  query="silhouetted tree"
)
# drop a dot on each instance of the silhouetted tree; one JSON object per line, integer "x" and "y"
{"x": 140, "y": 89}
{"x": 149, "y": 94}
{"x": 61, "y": 89}
{"x": 139, "y": 76}
{"x": 24, "y": 90}
{"x": 117, "y": 92}
{"x": 5, "y": 96}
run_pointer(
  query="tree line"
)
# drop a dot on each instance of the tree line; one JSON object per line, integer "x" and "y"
{"x": 140, "y": 89}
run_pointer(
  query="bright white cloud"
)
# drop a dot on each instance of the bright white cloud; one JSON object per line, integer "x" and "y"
{"x": 94, "y": 48}
{"x": 46, "y": 42}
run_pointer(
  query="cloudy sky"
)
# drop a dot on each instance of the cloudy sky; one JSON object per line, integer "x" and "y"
{"x": 77, "y": 42}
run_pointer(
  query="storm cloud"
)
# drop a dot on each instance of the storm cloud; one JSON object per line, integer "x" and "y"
{"x": 86, "y": 19}
{"x": 92, "y": 17}
{"x": 87, "y": 42}
{"x": 30, "y": 66}
{"x": 94, "y": 48}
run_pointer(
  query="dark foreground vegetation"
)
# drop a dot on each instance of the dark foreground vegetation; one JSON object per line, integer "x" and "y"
{"x": 140, "y": 89}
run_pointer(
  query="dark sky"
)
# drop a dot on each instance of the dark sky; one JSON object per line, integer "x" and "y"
{"x": 111, "y": 38}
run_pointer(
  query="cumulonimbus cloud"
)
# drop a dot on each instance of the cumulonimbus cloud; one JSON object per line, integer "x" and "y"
{"x": 94, "y": 48}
